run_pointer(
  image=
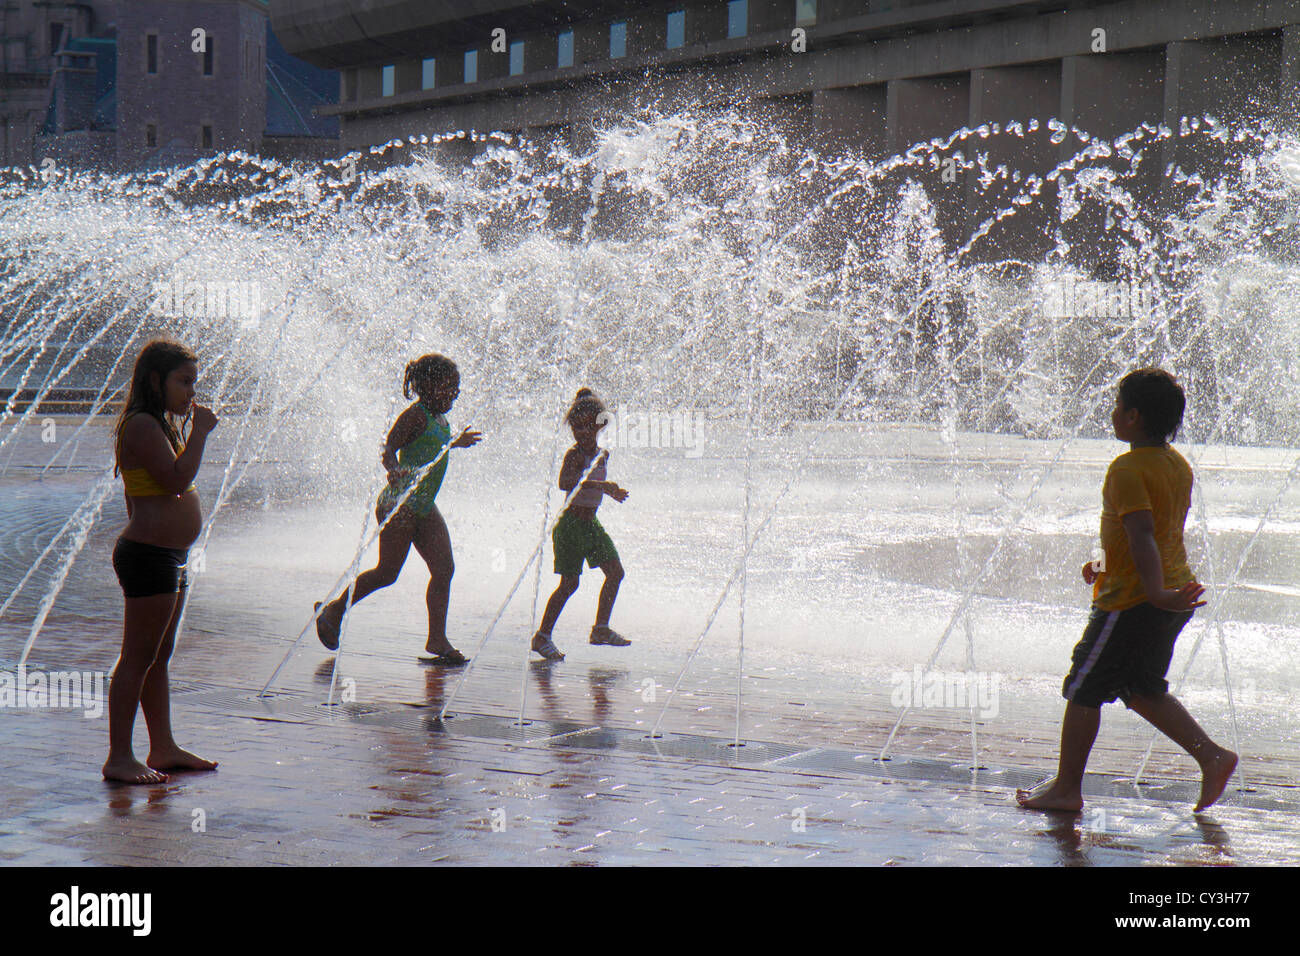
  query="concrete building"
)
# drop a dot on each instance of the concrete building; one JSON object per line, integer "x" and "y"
{"x": 869, "y": 75}
{"x": 137, "y": 83}
{"x": 31, "y": 34}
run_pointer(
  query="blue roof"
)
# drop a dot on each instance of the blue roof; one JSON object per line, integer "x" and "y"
{"x": 105, "y": 48}
{"x": 293, "y": 89}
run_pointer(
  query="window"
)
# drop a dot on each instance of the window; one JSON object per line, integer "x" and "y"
{"x": 471, "y": 66}
{"x": 207, "y": 55}
{"x": 56, "y": 37}
{"x": 564, "y": 49}
{"x": 516, "y": 57}
{"x": 805, "y": 12}
{"x": 205, "y": 137}
{"x": 151, "y": 53}
{"x": 150, "y": 135}
{"x": 737, "y": 18}
{"x": 617, "y": 39}
{"x": 676, "y": 29}
{"x": 428, "y": 73}
{"x": 389, "y": 81}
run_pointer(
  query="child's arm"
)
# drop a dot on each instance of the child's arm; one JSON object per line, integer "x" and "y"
{"x": 1146, "y": 556}
{"x": 467, "y": 439}
{"x": 573, "y": 469}
{"x": 143, "y": 437}
{"x": 613, "y": 490}
{"x": 405, "y": 430}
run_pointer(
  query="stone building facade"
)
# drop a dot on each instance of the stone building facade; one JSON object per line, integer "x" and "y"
{"x": 127, "y": 84}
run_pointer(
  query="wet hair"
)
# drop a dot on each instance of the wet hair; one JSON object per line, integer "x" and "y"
{"x": 1158, "y": 397}
{"x": 160, "y": 357}
{"x": 426, "y": 373}
{"x": 586, "y": 404}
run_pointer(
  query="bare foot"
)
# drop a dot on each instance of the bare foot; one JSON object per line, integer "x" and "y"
{"x": 437, "y": 649}
{"x": 1048, "y": 795}
{"x": 1214, "y": 778}
{"x": 132, "y": 771}
{"x": 177, "y": 759}
{"x": 327, "y": 626}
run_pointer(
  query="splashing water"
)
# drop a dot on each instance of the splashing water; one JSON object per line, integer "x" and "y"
{"x": 875, "y": 323}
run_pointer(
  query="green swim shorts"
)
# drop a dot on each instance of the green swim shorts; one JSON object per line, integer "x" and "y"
{"x": 575, "y": 539}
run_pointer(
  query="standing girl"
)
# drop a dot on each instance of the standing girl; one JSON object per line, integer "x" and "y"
{"x": 578, "y": 535}
{"x": 163, "y": 519}
{"x": 417, "y": 438}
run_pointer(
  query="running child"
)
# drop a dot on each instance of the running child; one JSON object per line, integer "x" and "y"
{"x": 416, "y": 439}
{"x": 1143, "y": 595}
{"x": 163, "y": 519}
{"x": 578, "y": 536}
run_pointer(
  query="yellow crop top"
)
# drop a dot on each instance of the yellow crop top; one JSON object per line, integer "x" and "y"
{"x": 139, "y": 483}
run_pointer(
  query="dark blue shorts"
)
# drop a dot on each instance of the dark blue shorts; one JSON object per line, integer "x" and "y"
{"x": 146, "y": 569}
{"x": 1122, "y": 654}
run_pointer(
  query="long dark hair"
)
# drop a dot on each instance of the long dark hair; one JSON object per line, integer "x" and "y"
{"x": 426, "y": 373}
{"x": 160, "y": 357}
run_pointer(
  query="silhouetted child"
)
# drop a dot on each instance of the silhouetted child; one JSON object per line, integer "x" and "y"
{"x": 1143, "y": 595}
{"x": 150, "y": 558}
{"x": 416, "y": 439}
{"x": 578, "y": 536}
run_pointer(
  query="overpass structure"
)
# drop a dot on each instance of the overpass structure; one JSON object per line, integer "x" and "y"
{"x": 867, "y": 76}
{"x": 873, "y": 74}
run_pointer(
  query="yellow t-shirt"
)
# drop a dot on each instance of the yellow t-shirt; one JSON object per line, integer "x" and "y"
{"x": 1155, "y": 479}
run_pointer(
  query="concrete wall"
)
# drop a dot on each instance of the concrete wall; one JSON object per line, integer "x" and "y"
{"x": 878, "y": 77}
{"x": 1002, "y": 95}
{"x": 843, "y": 53}
{"x": 921, "y": 110}
{"x": 852, "y": 118}
{"x": 1235, "y": 79}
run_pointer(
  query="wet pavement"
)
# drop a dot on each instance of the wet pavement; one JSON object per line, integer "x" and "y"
{"x": 383, "y": 781}
{"x": 376, "y": 778}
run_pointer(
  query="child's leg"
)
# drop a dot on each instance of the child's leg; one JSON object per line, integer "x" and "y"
{"x": 433, "y": 543}
{"x": 144, "y": 625}
{"x": 155, "y": 701}
{"x": 394, "y": 545}
{"x": 1078, "y": 732}
{"x": 567, "y": 588}
{"x": 608, "y": 591}
{"x": 1167, "y": 715}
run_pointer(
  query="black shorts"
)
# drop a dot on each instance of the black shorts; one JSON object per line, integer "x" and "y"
{"x": 146, "y": 569}
{"x": 1122, "y": 654}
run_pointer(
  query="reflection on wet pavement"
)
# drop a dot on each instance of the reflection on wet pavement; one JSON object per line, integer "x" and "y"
{"x": 842, "y": 600}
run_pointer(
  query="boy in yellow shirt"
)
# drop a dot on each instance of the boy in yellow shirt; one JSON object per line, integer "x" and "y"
{"x": 1143, "y": 594}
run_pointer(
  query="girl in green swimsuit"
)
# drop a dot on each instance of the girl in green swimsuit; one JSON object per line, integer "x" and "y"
{"x": 417, "y": 438}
